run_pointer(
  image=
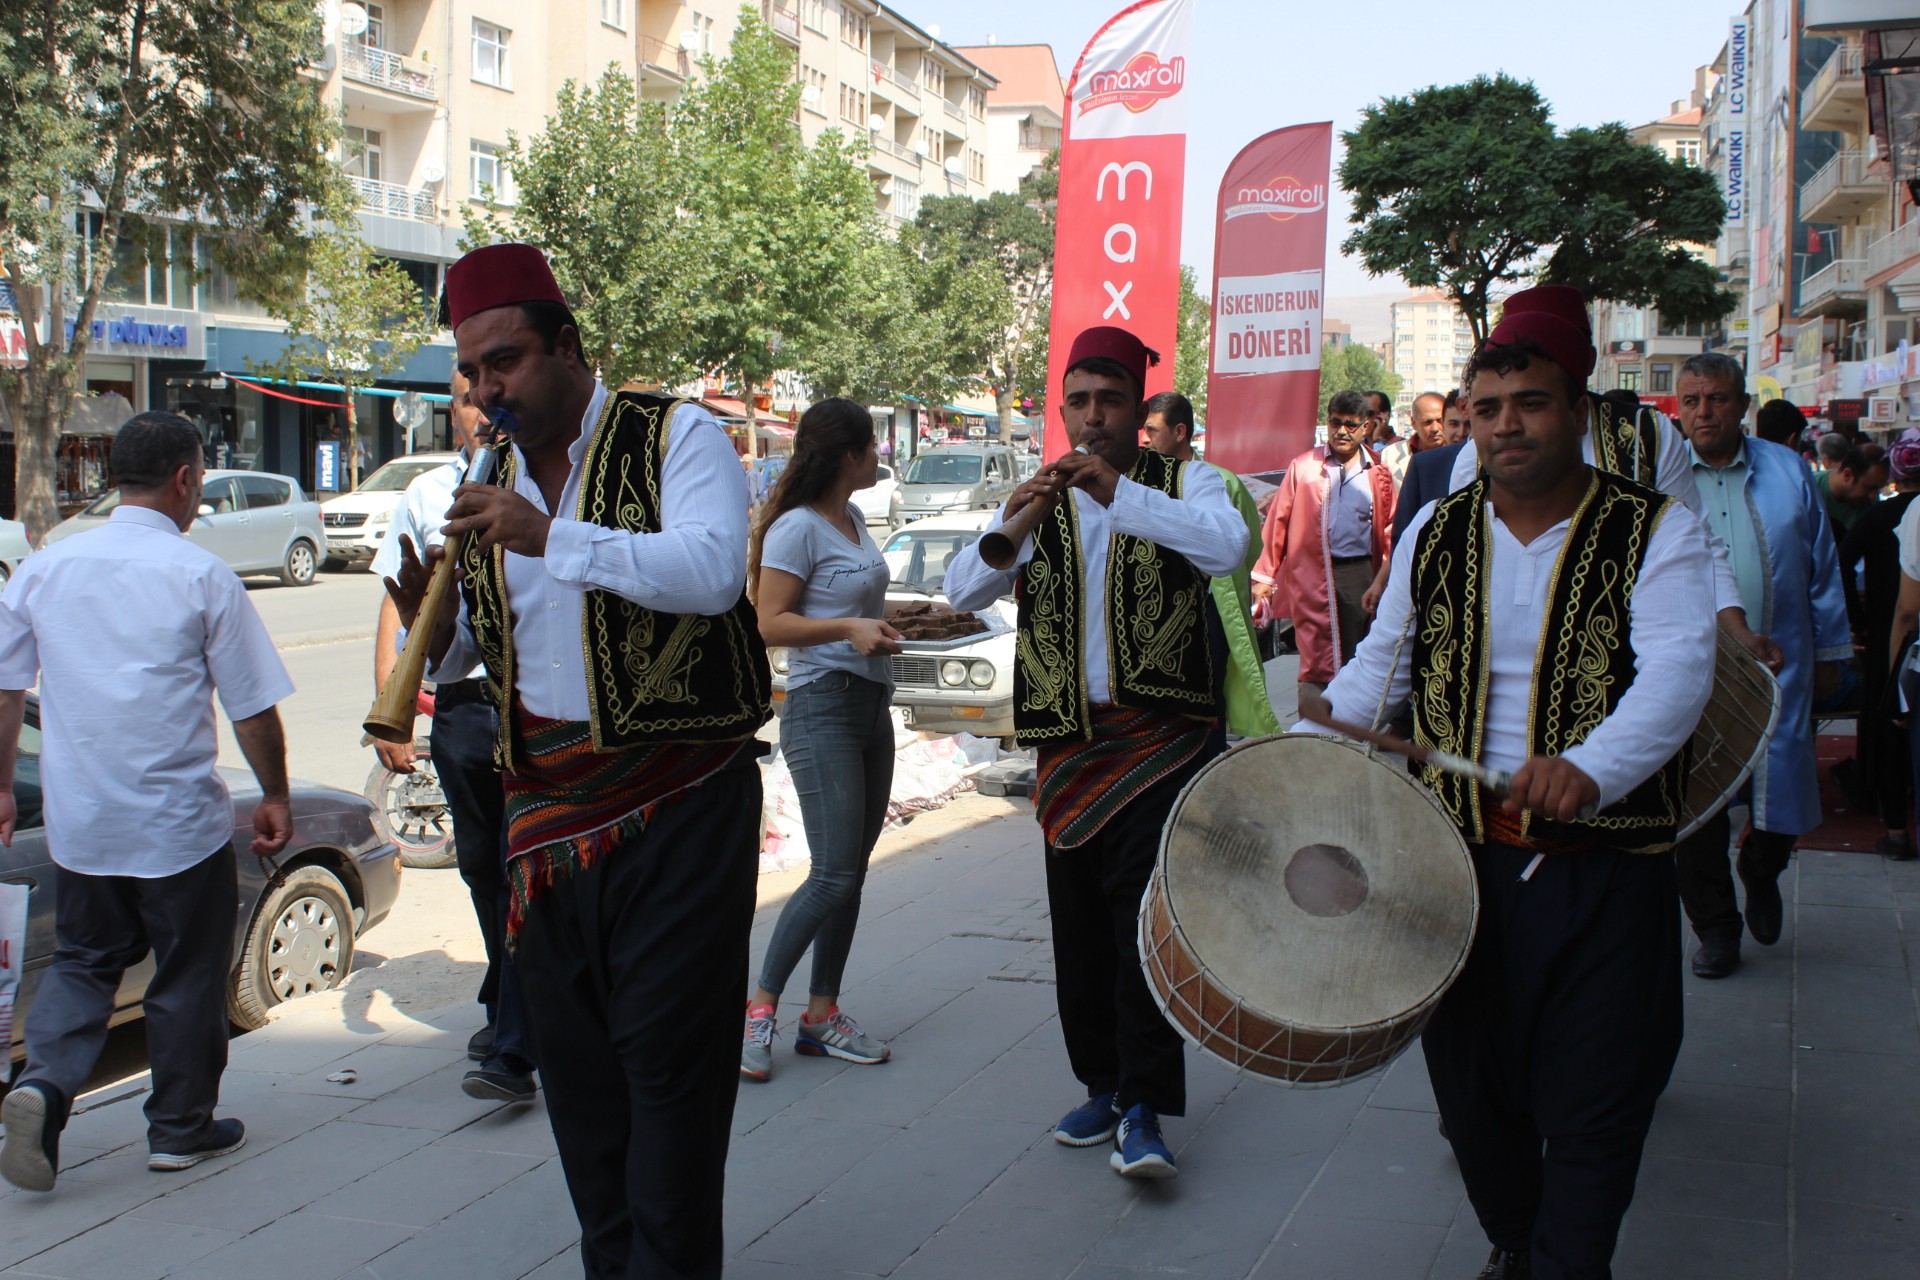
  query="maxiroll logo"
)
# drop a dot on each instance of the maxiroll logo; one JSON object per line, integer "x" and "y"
{"x": 1144, "y": 81}
{"x": 1282, "y": 199}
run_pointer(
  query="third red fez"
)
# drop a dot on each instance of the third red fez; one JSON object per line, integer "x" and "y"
{"x": 1554, "y": 317}
{"x": 1110, "y": 342}
{"x": 499, "y": 275}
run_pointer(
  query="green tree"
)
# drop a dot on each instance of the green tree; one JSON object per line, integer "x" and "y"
{"x": 360, "y": 319}
{"x": 1468, "y": 187}
{"x": 1014, "y": 233}
{"x": 1192, "y": 354}
{"x": 1353, "y": 367}
{"x": 120, "y": 119}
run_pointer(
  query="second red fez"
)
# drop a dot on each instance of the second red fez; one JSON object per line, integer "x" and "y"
{"x": 1110, "y": 342}
{"x": 499, "y": 275}
{"x": 1554, "y": 317}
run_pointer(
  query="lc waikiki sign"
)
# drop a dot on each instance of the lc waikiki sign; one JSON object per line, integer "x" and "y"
{"x": 1735, "y": 138}
{"x": 1269, "y": 261}
{"x": 1122, "y": 172}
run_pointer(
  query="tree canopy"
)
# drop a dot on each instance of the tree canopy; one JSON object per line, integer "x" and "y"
{"x": 118, "y": 120}
{"x": 1192, "y": 355}
{"x": 1469, "y": 187}
{"x": 1353, "y": 367}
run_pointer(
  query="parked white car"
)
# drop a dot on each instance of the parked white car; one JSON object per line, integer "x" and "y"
{"x": 357, "y": 522}
{"x": 14, "y": 548}
{"x": 875, "y": 502}
{"x": 942, "y": 686}
{"x": 256, "y": 521}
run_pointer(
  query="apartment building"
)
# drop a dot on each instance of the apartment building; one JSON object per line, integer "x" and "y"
{"x": 1025, "y": 110}
{"x": 1335, "y": 334}
{"x": 1431, "y": 345}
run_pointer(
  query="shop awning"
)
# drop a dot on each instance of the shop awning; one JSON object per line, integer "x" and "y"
{"x": 101, "y": 415}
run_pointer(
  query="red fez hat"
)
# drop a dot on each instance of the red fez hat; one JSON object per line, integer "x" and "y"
{"x": 499, "y": 275}
{"x": 1110, "y": 342}
{"x": 1554, "y": 317}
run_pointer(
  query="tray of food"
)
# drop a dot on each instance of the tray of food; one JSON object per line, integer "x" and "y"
{"x": 929, "y": 624}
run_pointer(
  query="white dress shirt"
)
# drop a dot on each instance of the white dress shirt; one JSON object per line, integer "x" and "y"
{"x": 1672, "y": 475}
{"x": 1672, "y": 637}
{"x": 696, "y": 563}
{"x": 1202, "y": 524}
{"x": 1350, "y": 506}
{"x": 1728, "y": 514}
{"x": 421, "y": 516}
{"x": 131, "y": 630}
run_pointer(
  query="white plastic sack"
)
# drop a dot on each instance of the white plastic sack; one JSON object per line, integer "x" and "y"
{"x": 13, "y": 952}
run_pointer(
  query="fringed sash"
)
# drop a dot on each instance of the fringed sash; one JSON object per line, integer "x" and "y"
{"x": 568, "y": 805}
{"x": 1080, "y": 785}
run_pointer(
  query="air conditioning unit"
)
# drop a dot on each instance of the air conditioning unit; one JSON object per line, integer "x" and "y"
{"x": 1883, "y": 409}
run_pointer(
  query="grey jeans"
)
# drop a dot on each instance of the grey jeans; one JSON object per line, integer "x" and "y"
{"x": 838, "y": 740}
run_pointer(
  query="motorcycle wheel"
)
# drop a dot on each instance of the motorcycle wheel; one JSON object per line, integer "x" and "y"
{"x": 416, "y": 811}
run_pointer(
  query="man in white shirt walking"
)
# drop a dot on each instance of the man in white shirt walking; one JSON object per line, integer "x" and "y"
{"x": 131, "y": 630}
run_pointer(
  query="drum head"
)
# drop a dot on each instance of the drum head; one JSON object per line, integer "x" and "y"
{"x": 1732, "y": 734}
{"x": 1323, "y": 887}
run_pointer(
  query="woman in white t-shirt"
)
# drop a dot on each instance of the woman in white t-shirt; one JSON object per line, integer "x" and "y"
{"x": 820, "y": 586}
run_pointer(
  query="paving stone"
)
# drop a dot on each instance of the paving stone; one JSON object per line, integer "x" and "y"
{"x": 378, "y": 1070}
{"x": 1851, "y": 935}
{"x": 507, "y": 1233}
{"x": 955, "y": 962}
{"x": 1819, "y": 862}
{"x": 424, "y": 1186}
{"x": 562, "y": 1266}
{"x": 1392, "y": 1166}
{"x": 513, "y": 1131}
{"x": 755, "y": 1269}
{"x": 432, "y": 1102}
{"x": 1857, "y": 1129}
{"x": 1321, "y": 1247}
{"x": 1028, "y": 1084}
{"x": 1656, "y": 1245}
{"x": 245, "y": 1197}
{"x": 36, "y": 1223}
{"x": 881, "y": 1210}
{"x": 1465, "y": 1250}
{"x": 753, "y": 1209}
{"x": 1736, "y": 1051}
{"x": 1404, "y": 1086}
{"x": 1859, "y": 1242}
{"x": 1826, "y": 889}
{"x": 1722, "y": 1122}
{"x": 127, "y": 1248}
{"x": 305, "y": 1245}
{"x": 1856, "y": 1008}
{"x": 798, "y": 1150}
{"x": 1727, "y": 1189}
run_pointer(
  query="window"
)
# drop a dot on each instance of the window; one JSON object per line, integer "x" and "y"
{"x": 180, "y": 269}
{"x": 363, "y": 152}
{"x": 933, "y": 145}
{"x": 490, "y": 64}
{"x": 906, "y": 198}
{"x": 813, "y": 93}
{"x": 702, "y": 28}
{"x": 222, "y": 496}
{"x": 262, "y": 492}
{"x": 1693, "y": 330}
{"x": 933, "y": 75}
{"x": 425, "y": 277}
{"x": 817, "y": 14}
{"x": 614, "y": 13}
{"x": 853, "y": 29}
{"x": 1687, "y": 151}
{"x": 1629, "y": 380}
{"x": 488, "y": 176}
{"x": 853, "y": 105}
{"x": 375, "y": 36}
{"x": 976, "y": 165}
{"x": 977, "y": 102}
{"x": 1660, "y": 381}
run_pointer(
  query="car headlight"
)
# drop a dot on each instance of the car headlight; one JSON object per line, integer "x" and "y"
{"x": 953, "y": 672}
{"x": 382, "y": 517}
{"x": 980, "y": 673}
{"x": 778, "y": 658}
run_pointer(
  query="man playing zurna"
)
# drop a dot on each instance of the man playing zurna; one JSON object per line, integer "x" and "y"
{"x": 1548, "y": 620}
{"x": 1114, "y": 683}
{"x": 603, "y": 584}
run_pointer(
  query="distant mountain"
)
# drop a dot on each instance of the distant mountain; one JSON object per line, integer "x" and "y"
{"x": 1370, "y": 314}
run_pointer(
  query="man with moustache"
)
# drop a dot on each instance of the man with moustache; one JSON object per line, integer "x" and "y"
{"x": 1548, "y": 1054}
{"x": 1115, "y": 685}
{"x": 603, "y": 585}
{"x": 1429, "y": 417}
{"x": 1457, "y": 427}
{"x": 465, "y": 727}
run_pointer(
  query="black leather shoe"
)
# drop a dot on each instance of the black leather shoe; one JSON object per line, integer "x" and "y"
{"x": 1764, "y": 908}
{"x": 480, "y": 1044}
{"x": 1504, "y": 1264}
{"x": 1895, "y": 847}
{"x": 501, "y": 1078}
{"x": 1717, "y": 957}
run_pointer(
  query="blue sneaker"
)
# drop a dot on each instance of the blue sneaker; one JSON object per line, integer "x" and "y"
{"x": 1139, "y": 1151}
{"x": 1089, "y": 1124}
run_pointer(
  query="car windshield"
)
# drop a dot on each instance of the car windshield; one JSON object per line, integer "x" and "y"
{"x": 945, "y": 468}
{"x": 398, "y": 474}
{"x": 104, "y": 504}
{"x": 919, "y": 560}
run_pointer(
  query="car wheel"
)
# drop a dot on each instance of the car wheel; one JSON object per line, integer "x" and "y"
{"x": 301, "y": 564}
{"x": 301, "y": 942}
{"x": 416, "y": 811}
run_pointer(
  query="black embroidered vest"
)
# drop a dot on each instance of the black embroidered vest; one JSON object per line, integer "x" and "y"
{"x": 1625, "y": 442}
{"x": 1584, "y": 663}
{"x": 1157, "y": 651}
{"x": 651, "y": 677}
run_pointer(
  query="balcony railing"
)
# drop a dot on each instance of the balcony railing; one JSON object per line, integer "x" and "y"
{"x": 390, "y": 71}
{"x": 954, "y": 109}
{"x": 1889, "y": 251}
{"x": 669, "y": 58}
{"x": 904, "y": 83}
{"x": 1842, "y": 64}
{"x": 898, "y": 150}
{"x": 1848, "y": 169}
{"x": 1837, "y": 278}
{"x": 784, "y": 21}
{"x": 391, "y": 200}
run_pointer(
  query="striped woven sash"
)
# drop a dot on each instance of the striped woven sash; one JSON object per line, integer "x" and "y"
{"x": 568, "y": 805}
{"x": 1080, "y": 785}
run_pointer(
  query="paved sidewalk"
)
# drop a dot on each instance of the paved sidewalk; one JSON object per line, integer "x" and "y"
{"x": 1788, "y": 1144}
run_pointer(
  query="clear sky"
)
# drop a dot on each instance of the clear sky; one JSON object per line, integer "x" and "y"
{"x": 1260, "y": 64}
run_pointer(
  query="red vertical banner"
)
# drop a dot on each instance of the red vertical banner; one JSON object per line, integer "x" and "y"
{"x": 1269, "y": 273}
{"x": 1123, "y": 157}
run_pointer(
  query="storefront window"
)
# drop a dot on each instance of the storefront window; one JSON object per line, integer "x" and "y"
{"x": 180, "y": 264}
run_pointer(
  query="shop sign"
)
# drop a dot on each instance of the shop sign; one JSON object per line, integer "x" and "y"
{"x": 1846, "y": 410}
{"x": 1628, "y": 352}
{"x": 1806, "y": 346}
{"x": 13, "y": 342}
{"x": 148, "y": 331}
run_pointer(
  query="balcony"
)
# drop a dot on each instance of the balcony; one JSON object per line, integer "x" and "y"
{"x": 417, "y": 82}
{"x": 898, "y": 150}
{"x": 1895, "y": 250}
{"x": 903, "y": 90}
{"x": 1841, "y": 191}
{"x": 955, "y": 111}
{"x": 784, "y": 21}
{"x": 1837, "y": 289}
{"x": 659, "y": 60}
{"x": 391, "y": 200}
{"x": 1837, "y": 98}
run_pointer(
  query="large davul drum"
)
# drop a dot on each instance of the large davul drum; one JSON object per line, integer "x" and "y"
{"x": 1310, "y": 906}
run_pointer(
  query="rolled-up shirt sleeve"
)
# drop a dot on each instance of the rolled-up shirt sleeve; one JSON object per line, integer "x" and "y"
{"x": 241, "y": 658}
{"x": 971, "y": 583}
{"x": 697, "y": 562}
{"x": 1673, "y": 643}
{"x": 1202, "y": 524}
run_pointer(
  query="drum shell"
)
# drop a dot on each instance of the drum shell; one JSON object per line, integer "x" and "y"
{"x": 1227, "y": 1025}
{"x": 1733, "y": 733}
